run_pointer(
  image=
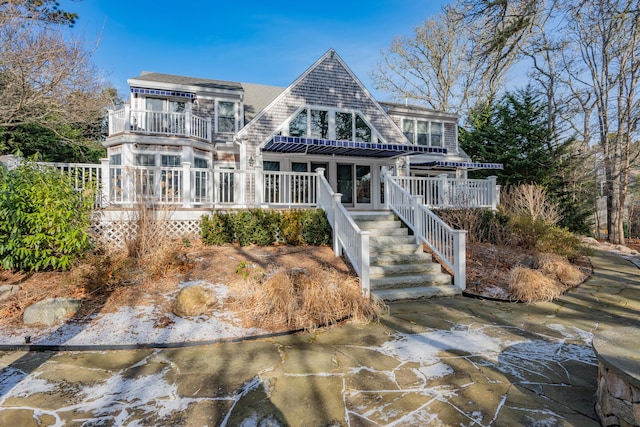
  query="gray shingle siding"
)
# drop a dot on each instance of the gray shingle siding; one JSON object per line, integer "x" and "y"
{"x": 450, "y": 140}
{"x": 329, "y": 84}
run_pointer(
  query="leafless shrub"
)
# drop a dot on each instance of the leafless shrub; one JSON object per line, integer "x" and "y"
{"x": 529, "y": 285}
{"x": 482, "y": 225}
{"x": 301, "y": 299}
{"x": 529, "y": 200}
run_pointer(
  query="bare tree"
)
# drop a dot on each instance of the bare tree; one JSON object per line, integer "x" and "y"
{"x": 45, "y": 78}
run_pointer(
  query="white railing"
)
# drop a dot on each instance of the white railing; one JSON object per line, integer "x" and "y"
{"x": 85, "y": 176}
{"x": 446, "y": 243}
{"x": 444, "y": 192}
{"x": 128, "y": 120}
{"x": 347, "y": 236}
{"x": 290, "y": 188}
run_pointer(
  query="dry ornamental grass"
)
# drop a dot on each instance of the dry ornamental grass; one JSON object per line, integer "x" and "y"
{"x": 528, "y": 285}
{"x": 300, "y": 299}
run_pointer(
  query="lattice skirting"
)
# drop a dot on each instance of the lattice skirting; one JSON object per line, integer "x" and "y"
{"x": 116, "y": 233}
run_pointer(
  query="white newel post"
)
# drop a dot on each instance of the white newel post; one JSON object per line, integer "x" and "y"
{"x": 187, "y": 123}
{"x": 336, "y": 225}
{"x": 209, "y": 129}
{"x": 460, "y": 259}
{"x": 364, "y": 263}
{"x": 417, "y": 219}
{"x": 387, "y": 190}
{"x": 215, "y": 187}
{"x": 186, "y": 185}
{"x": 319, "y": 172}
{"x": 443, "y": 190}
{"x": 259, "y": 184}
{"x": 493, "y": 192}
{"x": 127, "y": 119}
{"x": 106, "y": 183}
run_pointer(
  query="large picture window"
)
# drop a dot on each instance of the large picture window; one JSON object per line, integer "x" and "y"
{"x": 330, "y": 124}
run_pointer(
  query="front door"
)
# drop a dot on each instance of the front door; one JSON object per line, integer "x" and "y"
{"x": 354, "y": 182}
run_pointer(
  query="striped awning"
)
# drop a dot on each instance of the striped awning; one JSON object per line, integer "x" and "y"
{"x": 291, "y": 144}
{"x": 456, "y": 165}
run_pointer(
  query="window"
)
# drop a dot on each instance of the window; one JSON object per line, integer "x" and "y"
{"x": 344, "y": 126}
{"x": 226, "y": 117}
{"x": 436, "y": 134}
{"x": 298, "y": 167}
{"x": 319, "y": 124}
{"x": 298, "y": 126}
{"x": 270, "y": 165}
{"x": 407, "y": 129}
{"x": 316, "y": 124}
{"x": 200, "y": 163}
{"x": 363, "y": 132}
{"x": 145, "y": 160}
{"x": 170, "y": 161}
{"x": 423, "y": 132}
{"x": 115, "y": 159}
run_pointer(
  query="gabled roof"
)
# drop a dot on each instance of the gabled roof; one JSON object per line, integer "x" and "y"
{"x": 412, "y": 109}
{"x": 389, "y": 131}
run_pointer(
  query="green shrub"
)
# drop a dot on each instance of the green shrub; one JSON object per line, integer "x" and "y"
{"x": 291, "y": 227}
{"x": 315, "y": 227}
{"x": 216, "y": 229}
{"x": 265, "y": 227}
{"x": 44, "y": 221}
{"x": 562, "y": 242}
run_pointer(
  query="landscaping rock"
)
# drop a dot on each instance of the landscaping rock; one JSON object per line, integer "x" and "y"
{"x": 50, "y": 311}
{"x": 194, "y": 300}
{"x": 7, "y": 290}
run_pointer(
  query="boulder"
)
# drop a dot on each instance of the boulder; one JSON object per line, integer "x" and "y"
{"x": 194, "y": 300}
{"x": 7, "y": 290}
{"x": 50, "y": 311}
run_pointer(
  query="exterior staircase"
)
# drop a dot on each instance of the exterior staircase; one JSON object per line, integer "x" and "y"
{"x": 399, "y": 269}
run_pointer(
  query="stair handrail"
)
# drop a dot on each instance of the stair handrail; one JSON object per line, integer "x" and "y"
{"x": 348, "y": 238}
{"x": 448, "y": 244}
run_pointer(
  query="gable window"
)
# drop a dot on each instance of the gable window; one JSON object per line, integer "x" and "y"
{"x": 226, "y": 117}
{"x": 423, "y": 132}
{"x": 362, "y": 131}
{"x": 319, "y": 124}
{"x": 344, "y": 126}
{"x": 298, "y": 126}
{"x": 330, "y": 124}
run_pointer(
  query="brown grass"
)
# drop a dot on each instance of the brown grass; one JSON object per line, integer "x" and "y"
{"x": 529, "y": 285}
{"x": 560, "y": 268}
{"x": 297, "y": 298}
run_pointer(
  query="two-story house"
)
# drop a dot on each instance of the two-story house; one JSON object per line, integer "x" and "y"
{"x": 325, "y": 119}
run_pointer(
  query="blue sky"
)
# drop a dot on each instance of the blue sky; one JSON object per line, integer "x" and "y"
{"x": 266, "y": 42}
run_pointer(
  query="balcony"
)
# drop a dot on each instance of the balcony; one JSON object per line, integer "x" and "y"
{"x": 147, "y": 122}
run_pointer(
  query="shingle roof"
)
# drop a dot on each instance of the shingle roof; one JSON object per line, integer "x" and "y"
{"x": 257, "y": 97}
{"x": 188, "y": 81}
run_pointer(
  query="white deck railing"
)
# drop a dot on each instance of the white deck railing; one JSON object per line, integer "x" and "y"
{"x": 186, "y": 124}
{"x": 348, "y": 238}
{"x": 85, "y": 176}
{"x": 444, "y": 192}
{"x": 445, "y": 242}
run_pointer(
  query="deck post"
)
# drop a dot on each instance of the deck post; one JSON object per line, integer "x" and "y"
{"x": 259, "y": 183}
{"x": 186, "y": 185}
{"x": 127, "y": 119}
{"x": 417, "y": 201}
{"x": 386, "y": 177}
{"x": 364, "y": 263}
{"x": 187, "y": 124}
{"x": 443, "y": 190}
{"x": 493, "y": 192}
{"x": 460, "y": 259}
{"x": 105, "y": 184}
{"x": 335, "y": 201}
